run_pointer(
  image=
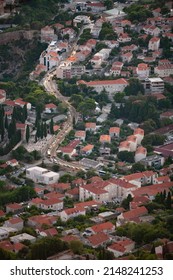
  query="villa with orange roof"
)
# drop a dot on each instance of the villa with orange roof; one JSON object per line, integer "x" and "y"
{"x": 124, "y": 146}
{"x": 121, "y": 247}
{"x": 140, "y": 153}
{"x": 131, "y": 215}
{"x": 105, "y": 139}
{"x": 69, "y": 213}
{"x": 114, "y": 132}
{"x": 154, "y": 44}
{"x": 89, "y": 126}
{"x": 139, "y": 133}
{"x": 132, "y": 139}
{"x": 87, "y": 150}
{"x": 106, "y": 227}
{"x": 99, "y": 239}
{"x": 143, "y": 70}
{"x": 80, "y": 135}
{"x": 47, "y": 34}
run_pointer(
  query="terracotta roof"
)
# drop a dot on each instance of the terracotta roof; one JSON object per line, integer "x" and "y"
{"x": 61, "y": 186}
{"x": 105, "y": 138}
{"x": 87, "y": 148}
{"x": 124, "y": 144}
{"x": 103, "y": 227}
{"x": 114, "y": 130}
{"x": 138, "y": 131}
{"x": 69, "y": 238}
{"x": 51, "y": 231}
{"x": 14, "y": 206}
{"x": 86, "y": 204}
{"x": 108, "y": 82}
{"x": 80, "y": 133}
{"x": 51, "y": 201}
{"x": 15, "y": 220}
{"x": 152, "y": 190}
{"x": 154, "y": 39}
{"x": 90, "y": 125}
{"x": 2, "y": 213}
{"x": 132, "y": 138}
{"x": 141, "y": 150}
{"x": 98, "y": 239}
{"x": 50, "y": 106}
{"x": 135, "y": 213}
{"x": 56, "y": 128}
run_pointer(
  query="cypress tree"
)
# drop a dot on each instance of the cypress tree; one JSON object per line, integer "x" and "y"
{"x": 168, "y": 201}
{"x": 6, "y": 122}
{"x": 51, "y": 126}
{"x": 25, "y": 113}
{"x": 45, "y": 130}
{"x": 41, "y": 130}
{"x": 27, "y": 133}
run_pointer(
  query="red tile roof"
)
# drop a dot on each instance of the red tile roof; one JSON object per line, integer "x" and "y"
{"x": 107, "y": 226}
{"x": 135, "y": 213}
{"x": 152, "y": 190}
{"x": 98, "y": 239}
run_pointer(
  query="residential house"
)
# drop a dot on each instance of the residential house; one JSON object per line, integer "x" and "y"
{"x": 167, "y": 115}
{"x": 96, "y": 7}
{"x": 66, "y": 70}
{"x": 70, "y": 149}
{"x": 164, "y": 70}
{"x": 12, "y": 162}
{"x": 140, "y": 153}
{"x": 127, "y": 57}
{"x": 121, "y": 247}
{"x": 154, "y": 44}
{"x": 51, "y": 204}
{"x": 114, "y": 132}
{"x": 96, "y": 61}
{"x": 130, "y": 48}
{"x": 143, "y": 70}
{"x": 2, "y": 214}
{"x": 60, "y": 188}
{"x": 49, "y": 58}
{"x": 50, "y": 108}
{"x": 132, "y": 139}
{"x": 73, "y": 193}
{"x": 111, "y": 86}
{"x": 131, "y": 215}
{"x": 40, "y": 220}
{"x": 14, "y": 222}
{"x": 21, "y": 103}
{"x": 124, "y": 146}
{"x": 22, "y": 237}
{"x": 69, "y": 31}
{"x": 80, "y": 135}
{"x": 90, "y": 127}
{"x": 106, "y": 227}
{"x": 47, "y": 34}
{"x": 71, "y": 213}
{"x": 163, "y": 179}
{"x": 105, "y": 139}
{"x": 99, "y": 239}
{"x": 42, "y": 175}
{"x": 141, "y": 178}
{"x": 87, "y": 150}
{"x": 124, "y": 38}
{"x": 152, "y": 30}
{"x": 139, "y": 133}
{"x": 15, "y": 208}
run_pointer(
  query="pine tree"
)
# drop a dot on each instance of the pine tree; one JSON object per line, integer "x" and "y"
{"x": 27, "y": 133}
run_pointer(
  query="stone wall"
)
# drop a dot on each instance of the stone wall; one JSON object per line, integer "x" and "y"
{"x": 7, "y": 37}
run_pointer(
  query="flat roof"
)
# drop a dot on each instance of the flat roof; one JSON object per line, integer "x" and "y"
{"x": 38, "y": 168}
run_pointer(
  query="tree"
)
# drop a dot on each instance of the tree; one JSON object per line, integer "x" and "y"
{"x": 6, "y": 122}
{"x": 135, "y": 87}
{"x": 137, "y": 167}
{"x": 25, "y": 113}
{"x": 126, "y": 156}
{"x": 168, "y": 201}
{"x": 27, "y": 133}
{"x": 77, "y": 247}
{"x": 45, "y": 130}
{"x": 51, "y": 126}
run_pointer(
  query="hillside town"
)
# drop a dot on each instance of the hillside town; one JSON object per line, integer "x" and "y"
{"x": 86, "y": 143}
